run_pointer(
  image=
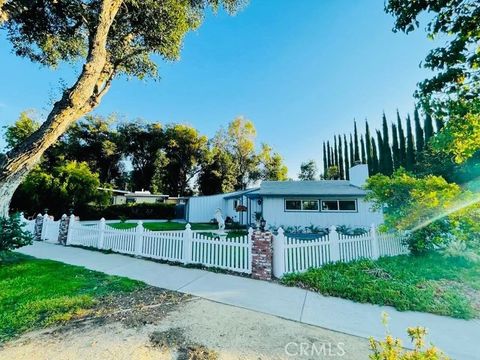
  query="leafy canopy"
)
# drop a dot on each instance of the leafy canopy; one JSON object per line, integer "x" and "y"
{"x": 52, "y": 31}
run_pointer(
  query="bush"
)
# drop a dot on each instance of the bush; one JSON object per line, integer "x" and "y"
{"x": 126, "y": 211}
{"x": 12, "y": 234}
{"x": 392, "y": 349}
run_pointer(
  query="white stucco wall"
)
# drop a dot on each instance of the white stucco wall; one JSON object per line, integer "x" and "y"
{"x": 275, "y": 215}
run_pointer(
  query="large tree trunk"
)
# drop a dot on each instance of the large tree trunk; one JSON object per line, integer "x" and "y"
{"x": 85, "y": 95}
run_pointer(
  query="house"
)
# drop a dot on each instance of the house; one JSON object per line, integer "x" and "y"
{"x": 137, "y": 197}
{"x": 293, "y": 203}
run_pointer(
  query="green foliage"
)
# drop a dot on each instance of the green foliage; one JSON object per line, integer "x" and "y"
{"x": 37, "y": 293}
{"x": 271, "y": 165}
{"x": 347, "y": 230}
{"x": 432, "y": 283}
{"x": 137, "y": 211}
{"x": 332, "y": 173}
{"x": 20, "y": 129}
{"x": 69, "y": 185}
{"x": 308, "y": 171}
{"x": 12, "y": 234}
{"x": 434, "y": 210}
{"x": 392, "y": 349}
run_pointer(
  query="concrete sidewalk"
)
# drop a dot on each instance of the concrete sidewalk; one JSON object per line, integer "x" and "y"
{"x": 458, "y": 338}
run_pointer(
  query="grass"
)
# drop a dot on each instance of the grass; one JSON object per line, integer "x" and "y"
{"x": 164, "y": 226}
{"x": 36, "y": 293}
{"x": 431, "y": 283}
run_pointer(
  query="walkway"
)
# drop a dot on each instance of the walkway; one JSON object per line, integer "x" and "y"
{"x": 458, "y": 338}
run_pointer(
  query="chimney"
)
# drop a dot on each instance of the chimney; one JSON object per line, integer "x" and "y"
{"x": 358, "y": 175}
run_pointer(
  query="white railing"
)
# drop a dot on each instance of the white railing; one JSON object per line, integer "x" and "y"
{"x": 293, "y": 254}
{"x": 185, "y": 246}
{"x": 29, "y": 225}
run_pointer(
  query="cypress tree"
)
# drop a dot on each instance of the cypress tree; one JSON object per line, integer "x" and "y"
{"x": 402, "y": 148}
{"x": 340, "y": 158}
{"x": 420, "y": 140}
{"x": 410, "y": 160}
{"x": 362, "y": 150}
{"x": 375, "y": 162}
{"x": 355, "y": 136}
{"x": 439, "y": 123}
{"x": 368, "y": 144}
{"x": 428, "y": 128}
{"x": 335, "y": 151}
{"x": 386, "y": 150}
{"x": 381, "y": 157}
{"x": 347, "y": 164}
{"x": 325, "y": 160}
{"x": 352, "y": 154}
{"x": 329, "y": 158}
{"x": 395, "y": 148}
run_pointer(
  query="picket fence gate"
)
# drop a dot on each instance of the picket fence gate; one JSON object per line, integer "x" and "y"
{"x": 292, "y": 254}
{"x": 185, "y": 246}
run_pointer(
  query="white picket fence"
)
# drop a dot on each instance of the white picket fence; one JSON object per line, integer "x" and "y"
{"x": 292, "y": 254}
{"x": 186, "y": 246}
{"x": 50, "y": 229}
{"x": 29, "y": 224}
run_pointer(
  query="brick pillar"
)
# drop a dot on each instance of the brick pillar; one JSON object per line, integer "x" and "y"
{"x": 37, "y": 230}
{"x": 262, "y": 255}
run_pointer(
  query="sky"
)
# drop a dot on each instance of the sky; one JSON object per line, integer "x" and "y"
{"x": 300, "y": 70}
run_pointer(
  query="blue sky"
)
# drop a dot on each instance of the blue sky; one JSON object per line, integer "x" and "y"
{"x": 300, "y": 70}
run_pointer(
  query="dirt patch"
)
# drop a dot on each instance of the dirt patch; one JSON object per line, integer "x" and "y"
{"x": 193, "y": 329}
{"x": 472, "y": 295}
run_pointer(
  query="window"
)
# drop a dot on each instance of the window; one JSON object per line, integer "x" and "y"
{"x": 301, "y": 205}
{"x": 339, "y": 205}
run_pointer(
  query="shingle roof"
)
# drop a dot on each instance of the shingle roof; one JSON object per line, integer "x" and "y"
{"x": 239, "y": 193}
{"x": 309, "y": 188}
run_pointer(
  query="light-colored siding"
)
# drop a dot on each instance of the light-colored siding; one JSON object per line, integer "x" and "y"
{"x": 202, "y": 208}
{"x": 274, "y": 214}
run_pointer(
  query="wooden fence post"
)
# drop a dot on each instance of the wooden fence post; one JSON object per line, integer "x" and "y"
{"x": 139, "y": 238}
{"x": 187, "y": 244}
{"x": 71, "y": 224}
{"x": 375, "y": 245}
{"x": 279, "y": 253}
{"x": 334, "y": 244}
{"x": 101, "y": 238}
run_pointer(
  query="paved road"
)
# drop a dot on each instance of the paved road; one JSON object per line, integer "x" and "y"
{"x": 458, "y": 338}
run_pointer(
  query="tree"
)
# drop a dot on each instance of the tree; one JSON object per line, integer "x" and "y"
{"x": 308, "y": 171}
{"x": 217, "y": 174}
{"x": 368, "y": 143}
{"x": 428, "y": 128}
{"x": 356, "y": 149}
{"x": 329, "y": 158}
{"x": 419, "y": 137}
{"x": 352, "y": 153}
{"x": 241, "y": 136}
{"x": 375, "y": 162}
{"x": 272, "y": 167}
{"x": 402, "y": 142}
{"x": 453, "y": 92}
{"x": 141, "y": 143}
{"x": 340, "y": 159}
{"x": 110, "y": 37}
{"x": 92, "y": 140}
{"x": 179, "y": 160}
{"x": 395, "y": 148}
{"x": 325, "y": 159}
{"x": 410, "y": 156}
{"x": 332, "y": 173}
{"x": 362, "y": 150}
{"x": 335, "y": 151}
{"x": 347, "y": 163}
{"x": 381, "y": 157}
{"x": 13, "y": 234}
{"x": 21, "y": 129}
{"x": 386, "y": 150}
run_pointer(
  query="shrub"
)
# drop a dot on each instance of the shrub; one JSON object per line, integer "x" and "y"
{"x": 127, "y": 211}
{"x": 346, "y": 230}
{"x": 12, "y": 234}
{"x": 392, "y": 349}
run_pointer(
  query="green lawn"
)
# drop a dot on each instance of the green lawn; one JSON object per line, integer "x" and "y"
{"x": 36, "y": 293}
{"x": 164, "y": 226}
{"x": 432, "y": 283}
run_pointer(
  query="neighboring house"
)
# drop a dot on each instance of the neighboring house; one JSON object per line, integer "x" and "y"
{"x": 137, "y": 197}
{"x": 293, "y": 203}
